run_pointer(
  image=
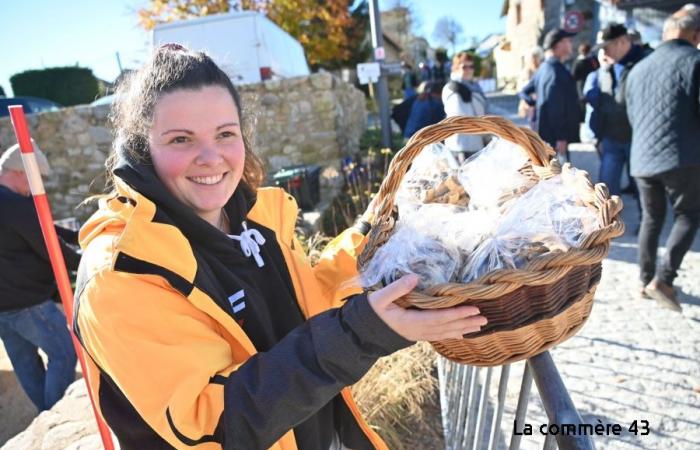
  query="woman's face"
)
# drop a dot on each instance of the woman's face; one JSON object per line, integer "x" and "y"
{"x": 467, "y": 70}
{"x": 197, "y": 148}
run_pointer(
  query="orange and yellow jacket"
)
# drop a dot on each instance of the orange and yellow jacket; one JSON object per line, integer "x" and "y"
{"x": 169, "y": 368}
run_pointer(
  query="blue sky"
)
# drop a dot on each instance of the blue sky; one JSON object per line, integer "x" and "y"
{"x": 48, "y": 33}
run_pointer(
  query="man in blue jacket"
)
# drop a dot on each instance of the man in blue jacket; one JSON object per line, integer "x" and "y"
{"x": 558, "y": 114}
{"x": 606, "y": 96}
{"x": 663, "y": 105}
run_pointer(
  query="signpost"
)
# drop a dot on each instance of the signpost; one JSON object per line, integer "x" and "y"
{"x": 382, "y": 86}
{"x": 368, "y": 72}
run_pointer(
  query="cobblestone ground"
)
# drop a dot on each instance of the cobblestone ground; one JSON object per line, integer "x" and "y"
{"x": 633, "y": 360}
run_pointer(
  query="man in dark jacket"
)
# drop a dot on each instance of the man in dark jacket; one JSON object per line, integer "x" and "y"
{"x": 586, "y": 62}
{"x": 663, "y": 105}
{"x": 29, "y": 320}
{"x": 558, "y": 115}
{"x": 606, "y": 97}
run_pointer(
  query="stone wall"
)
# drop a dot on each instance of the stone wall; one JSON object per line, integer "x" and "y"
{"x": 317, "y": 119}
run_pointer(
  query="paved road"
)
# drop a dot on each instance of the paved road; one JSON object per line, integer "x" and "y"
{"x": 633, "y": 360}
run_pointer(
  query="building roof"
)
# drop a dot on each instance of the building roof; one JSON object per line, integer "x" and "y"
{"x": 391, "y": 41}
{"x": 487, "y": 44}
{"x": 666, "y": 5}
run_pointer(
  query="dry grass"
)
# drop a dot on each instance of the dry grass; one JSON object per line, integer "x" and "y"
{"x": 314, "y": 245}
{"x": 399, "y": 398}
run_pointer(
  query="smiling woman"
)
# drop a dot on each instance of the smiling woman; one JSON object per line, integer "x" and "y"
{"x": 205, "y": 324}
{"x": 197, "y": 148}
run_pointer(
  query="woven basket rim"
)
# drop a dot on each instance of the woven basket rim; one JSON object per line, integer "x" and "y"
{"x": 594, "y": 248}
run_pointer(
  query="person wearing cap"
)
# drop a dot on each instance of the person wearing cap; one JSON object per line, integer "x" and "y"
{"x": 605, "y": 93}
{"x": 556, "y": 101}
{"x": 29, "y": 319}
{"x": 663, "y": 105}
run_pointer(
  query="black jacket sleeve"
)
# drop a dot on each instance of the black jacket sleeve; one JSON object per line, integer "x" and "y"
{"x": 276, "y": 390}
{"x": 526, "y": 93}
{"x": 26, "y": 224}
{"x": 69, "y": 236}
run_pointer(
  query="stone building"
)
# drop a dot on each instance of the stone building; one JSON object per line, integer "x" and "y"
{"x": 527, "y": 21}
{"x": 645, "y": 16}
{"x": 398, "y": 27}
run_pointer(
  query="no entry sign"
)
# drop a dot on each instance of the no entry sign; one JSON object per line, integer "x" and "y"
{"x": 573, "y": 21}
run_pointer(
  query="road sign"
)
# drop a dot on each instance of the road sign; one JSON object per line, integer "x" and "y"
{"x": 391, "y": 68}
{"x": 573, "y": 21}
{"x": 368, "y": 72}
{"x": 379, "y": 53}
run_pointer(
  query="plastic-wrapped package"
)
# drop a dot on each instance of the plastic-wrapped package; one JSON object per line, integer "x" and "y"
{"x": 549, "y": 217}
{"x": 429, "y": 170}
{"x": 467, "y": 228}
{"x": 492, "y": 176}
{"x": 418, "y": 245}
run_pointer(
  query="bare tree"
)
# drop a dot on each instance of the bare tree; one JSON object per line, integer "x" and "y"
{"x": 413, "y": 16}
{"x": 448, "y": 31}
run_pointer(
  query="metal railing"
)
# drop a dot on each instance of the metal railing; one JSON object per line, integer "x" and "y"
{"x": 472, "y": 419}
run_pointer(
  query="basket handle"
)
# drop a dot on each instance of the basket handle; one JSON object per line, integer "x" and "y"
{"x": 537, "y": 150}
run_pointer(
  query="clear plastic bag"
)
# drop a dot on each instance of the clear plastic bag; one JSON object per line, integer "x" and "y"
{"x": 430, "y": 168}
{"x": 492, "y": 176}
{"x": 418, "y": 245}
{"x": 467, "y": 228}
{"x": 549, "y": 217}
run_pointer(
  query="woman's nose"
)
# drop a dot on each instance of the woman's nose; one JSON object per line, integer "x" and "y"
{"x": 209, "y": 155}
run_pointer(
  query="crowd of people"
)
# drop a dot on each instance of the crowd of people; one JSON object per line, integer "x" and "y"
{"x": 642, "y": 108}
{"x": 455, "y": 93}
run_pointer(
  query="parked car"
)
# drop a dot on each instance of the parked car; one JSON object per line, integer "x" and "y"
{"x": 106, "y": 100}
{"x": 246, "y": 45}
{"x": 30, "y": 104}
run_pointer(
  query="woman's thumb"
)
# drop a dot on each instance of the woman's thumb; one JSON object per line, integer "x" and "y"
{"x": 395, "y": 290}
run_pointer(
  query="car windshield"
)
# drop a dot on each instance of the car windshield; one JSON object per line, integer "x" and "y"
{"x": 29, "y": 104}
{"x": 41, "y": 105}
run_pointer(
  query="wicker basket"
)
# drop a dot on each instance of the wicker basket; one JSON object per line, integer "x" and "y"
{"x": 529, "y": 309}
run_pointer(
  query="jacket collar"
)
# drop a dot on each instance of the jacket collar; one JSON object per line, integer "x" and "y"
{"x": 675, "y": 43}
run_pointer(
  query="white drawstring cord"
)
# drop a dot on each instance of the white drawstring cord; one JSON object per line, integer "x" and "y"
{"x": 250, "y": 240}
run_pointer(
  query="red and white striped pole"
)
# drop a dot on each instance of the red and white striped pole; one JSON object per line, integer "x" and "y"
{"x": 41, "y": 202}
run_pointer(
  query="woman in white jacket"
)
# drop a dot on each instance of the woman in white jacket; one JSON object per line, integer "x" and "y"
{"x": 463, "y": 96}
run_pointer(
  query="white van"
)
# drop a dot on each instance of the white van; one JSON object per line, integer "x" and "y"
{"x": 246, "y": 45}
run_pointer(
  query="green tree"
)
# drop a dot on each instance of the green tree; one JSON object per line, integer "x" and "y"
{"x": 2, "y": 92}
{"x": 64, "y": 85}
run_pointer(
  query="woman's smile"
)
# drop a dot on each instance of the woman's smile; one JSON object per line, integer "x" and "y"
{"x": 207, "y": 180}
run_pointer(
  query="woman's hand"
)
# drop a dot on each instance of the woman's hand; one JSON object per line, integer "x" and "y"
{"x": 423, "y": 325}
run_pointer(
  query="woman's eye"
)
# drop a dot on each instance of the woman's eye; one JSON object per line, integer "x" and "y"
{"x": 227, "y": 134}
{"x": 179, "y": 140}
